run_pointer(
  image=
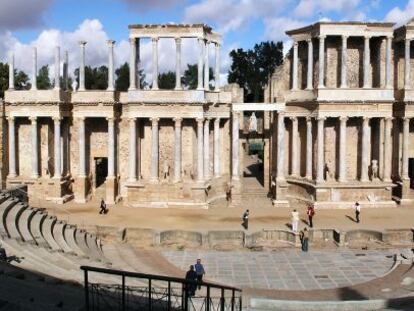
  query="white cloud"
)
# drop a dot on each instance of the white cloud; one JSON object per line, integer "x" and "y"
{"x": 401, "y": 16}
{"x": 308, "y": 8}
{"x": 146, "y": 5}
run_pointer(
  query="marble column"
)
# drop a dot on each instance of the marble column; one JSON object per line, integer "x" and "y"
{"x": 200, "y": 64}
{"x": 178, "y": 64}
{"x": 309, "y": 151}
{"x": 295, "y": 153}
{"x": 320, "y": 164}
{"x": 137, "y": 64}
{"x": 58, "y": 149}
{"x": 206, "y": 66}
{"x": 82, "y": 151}
{"x": 57, "y": 68}
{"x": 12, "y": 148}
{"x": 321, "y": 83}
{"x": 206, "y": 164}
{"x": 111, "y": 82}
{"x": 387, "y": 150}
{"x": 132, "y": 65}
{"x": 388, "y": 84}
{"x": 366, "y": 62}
{"x": 154, "y": 149}
{"x": 235, "y": 146}
{"x": 344, "y": 56}
{"x": 309, "y": 80}
{"x": 154, "y": 64}
{"x": 217, "y": 69}
{"x": 34, "y": 69}
{"x": 217, "y": 148}
{"x": 295, "y": 66}
{"x": 281, "y": 145}
{"x": 407, "y": 68}
{"x": 82, "y": 66}
{"x": 111, "y": 147}
{"x": 177, "y": 149}
{"x": 342, "y": 149}
{"x": 11, "y": 71}
{"x": 365, "y": 151}
{"x": 66, "y": 71}
{"x": 132, "y": 150}
{"x": 35, "y": 149}
{"x": 200, "y": 159}
{"x": 406, "y": 132}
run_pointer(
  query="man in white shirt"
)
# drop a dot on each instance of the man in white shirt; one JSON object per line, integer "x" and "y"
{"x": 295, "y": 221}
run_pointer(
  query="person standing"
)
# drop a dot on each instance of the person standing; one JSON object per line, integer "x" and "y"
{"x": 357, "y": 211}
{"x": 310, "y": 212}
{"x": 305, "y": 239}
{"x": 245, "y": 219}
{"x": 191, "y": 275}
{"x": 103, "y": 207}
{"x": 295, "y": 220}
{"x": 199, "y": 268}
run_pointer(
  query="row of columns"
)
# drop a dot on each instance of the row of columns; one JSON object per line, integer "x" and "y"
{"x": 203, "y": 64}
{"x": 344, "y": 58}
{"x": 203, "y": 149}
{"x": 320, "y": 161}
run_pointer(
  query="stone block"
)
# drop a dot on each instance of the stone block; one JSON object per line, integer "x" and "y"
{"x": 225, "y": 239}
{"x": 181, "y": 237}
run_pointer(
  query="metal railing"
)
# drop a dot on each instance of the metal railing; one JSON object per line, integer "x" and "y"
{"x": 139, "y": 291}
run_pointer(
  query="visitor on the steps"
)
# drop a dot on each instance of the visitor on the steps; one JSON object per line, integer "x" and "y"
{"x": 199, "y": 268}
{"x": 103, "y": 210}
{"x": 295, "y": 221}
{"x": 310, "y": 212}
{"x": 305, "y": 239}
{"x": 191, "y": 275}
{"x": 245, "y": 219}
{"x": 357, "y": 211}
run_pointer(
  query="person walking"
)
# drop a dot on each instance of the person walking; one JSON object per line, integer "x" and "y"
{"x": 295, "y": 221}
{"x": 199, "y": 269}
{"x": 103, "y": 207}
{"x": 305, "y": 239}
{"x": 245, "y": 219}
{"x": 191, "y": 275}
{"x": 310, "y": 212}
{"x": 357, "y": 211}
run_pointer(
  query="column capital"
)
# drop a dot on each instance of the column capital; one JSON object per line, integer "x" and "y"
{"x": 344, "y": 37}
{"x": 309, "y": 119}
{"x": 406, "y": 118}
{"x": 322, "y": 37}
{"x": 82, "y": 43}
{"x": 33, "y": 119}
{"x": 366, "y": 118}
{"x": 111, "y": 43}
{"x": 295, "y": 43}
{"x": 154, "y": 39}
{"x": 217, "y": 44}
{"x": 110, "y": 120}
{"x": 80, "y": 119}
{"x": 407, "y": 40}
{"x": 200, "y": 121}
{"x": 367, "y": 37}
{"x": 177, "y": 40}
{"x": 155, "y": 120}
{"x": 132, "y": 41}
{"x": 309, "y": 40}
{"x": 320, "y": 118}
{"x": 132, "y": 119}
{"x": 57, "y": 119}
{"x": 178, "y": 121}
{"x": 217, "y": 120}
{"x": 11, "y": 118}
{"x": 343, "y": 118}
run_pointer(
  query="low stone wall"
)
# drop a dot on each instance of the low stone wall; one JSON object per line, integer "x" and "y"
{"x": 182, "y": 238}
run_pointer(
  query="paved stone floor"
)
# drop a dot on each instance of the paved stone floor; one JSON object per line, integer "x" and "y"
{"x": 288, "y": 269}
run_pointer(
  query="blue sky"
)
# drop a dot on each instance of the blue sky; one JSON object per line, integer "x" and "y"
{"x": 46, "y": 23}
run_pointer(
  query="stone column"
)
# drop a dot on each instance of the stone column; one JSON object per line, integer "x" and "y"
{"x": 34, "y": 70}
{"x": 406, "y": 132}
{"x": 11, "y": 71}
{"x": 321, "y": 83}
{"x": 295, "y": 158}
{"x": 217, "y": 147}
{"x": 309, "y": 152}
{"x": 281, "y": 145}
{"x": 178, "y": 64}
{"x": 321, "y": 145}
{"x": 82, "y": 151}
{"x": 206, "y": 66}
{"x": 132, "y": 65}
{"x": 200, "y": 167}
{"x": 407, "y": 68}
{"x": 137, "y": 64}
{"x": 12, "y": 148}
{"x": 344, "y": 82}
{"x": 132, "y": 150}
{"x": 58, "y": 148}
{"x": 111, "y": 147}
{"x": 57, "y": 68}
{"x": 366, "y": 62}
{"x": 217, "y": 70}
{"x": 82, "y": 66}
{"x": 365, "y": 151}
{"x": 177, "y": 149}
{"x": 342, "y": 149}
{"x": 388, "y": 64}
{"x": 235, "y": 146}
{"x": 111, "y": 81}
{"x": 387, "y": 150}
{"x": 295, "y": 66}
{"x": 35, "y": 154}
{"x": 200, "y": 64}
{"x": 207, "y": 149}
{"x": 154, "y": 64}
{"x": 66, "y": 71}
{"x": 154, "y": 150}
{"x": 309, "y": 80}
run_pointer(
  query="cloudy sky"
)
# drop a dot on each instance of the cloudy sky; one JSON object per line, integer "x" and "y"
{"x": 47, "y": 23}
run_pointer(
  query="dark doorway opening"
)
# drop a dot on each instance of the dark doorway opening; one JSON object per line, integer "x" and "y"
{"x": 411, "y": 172}
{"x": 101, "y": 171}
{"x": 254, "y": 161}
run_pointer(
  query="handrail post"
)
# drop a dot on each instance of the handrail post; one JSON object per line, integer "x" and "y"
{"x": 240, "y": 303}
{"x": 222, "y": 300}
{"x": 149, "y": 295}
{"x": 233, "y": 300}
{"x": 86, "y": 290}
{"x": 169, "y": 296}
{"x": 208, "y": 299}
{"x": 123, "y": 292}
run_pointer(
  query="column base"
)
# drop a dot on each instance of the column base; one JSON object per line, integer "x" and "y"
{"x": 80, "y": 189}
{"x": 111, "y": 186}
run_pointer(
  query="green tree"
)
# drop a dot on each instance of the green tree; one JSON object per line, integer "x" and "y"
{"x": 43, "y": 80}
{"x": 252, "y": 69}
{"x": 166, "y": 80}
{"x": 122, "y": 78}
{"x": 190, "y": 79}
{"x": 95, "y": 78}
{"x": 20, "y": 79}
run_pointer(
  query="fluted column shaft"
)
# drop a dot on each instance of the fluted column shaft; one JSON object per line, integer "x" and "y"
{"x": 66, "y": 71}
{"x": 58, "y": 148}
{"x": 321, "y": 145}
{"x": 407, "y": 71}
{"x": 206, "y": 66}
{"x": 177, "y": 149}
{"x": 366, "y": 62}
{"x": 82, "y": 66}
{"x": 34, "y": 69}
{"x": 217, "y": 147}
{"x": 281, "y": 145}
{"x": 342, "y": 149}
{"x": 200, "y": 64}
{"x": 111, "y": 81}
{"x": 132, "y": 65}
{"x": 111, "y": 147}
{"x": 344, "y": 56}
{"x": 364, "y": 151}
{"x": 154, "y": 150}
{"x": 217, "y": 71}
{"x": 155, "y": 63}
{"x": 35, "y": 156}
{"x": 387, "y": 149}
{"x": 295, "y": 66}
{"x": 11, "y": 71}
{"x": 309, "y": 152}
{"x": 12, "y": 148}
{"x": 82, "y": 153}
{"x": 207, "y": 149}
{"x": 57, "y": 68}
{"x": 235, "y": 146}
{"x": 132, "y": 150}
{"x": 200, "y": 159}
{"x": 388, "y": 63}
{"x": 178, "y": 64}
{"x": 295, "y": 154}
{"x": 309, "y": 80}
{"x": 321, "y": 83}
{"x": 406, "y": 132}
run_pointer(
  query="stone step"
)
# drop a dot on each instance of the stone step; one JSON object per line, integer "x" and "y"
{"x": 24, "y": 224}
{"x": 59, "y": 237}
{"x": 36, "y": 228}
{"x": 4, "y": 210}
{"x": 69, "y": 235}
{"x": 94, "y": 247}
{"x": 12, "y": 220}
{"x": 47, "y": 232}
{"x": 80, "y": 239}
